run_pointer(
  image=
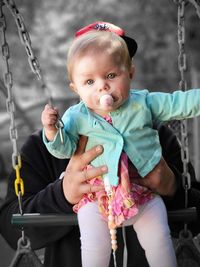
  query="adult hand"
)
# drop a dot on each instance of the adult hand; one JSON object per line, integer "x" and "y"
{"x": 76, "y": 176}
{"x": 160, "y": 180}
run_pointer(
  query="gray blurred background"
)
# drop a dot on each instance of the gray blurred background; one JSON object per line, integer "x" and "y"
{"x": 51, "y": 26}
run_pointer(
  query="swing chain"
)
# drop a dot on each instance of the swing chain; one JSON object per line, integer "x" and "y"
{"x": 8, "y": 80}
{"x": 182, "y": 65}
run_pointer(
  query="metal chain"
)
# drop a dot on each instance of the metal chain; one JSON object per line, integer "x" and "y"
{"x": 21, "y": 211}
{"x": 182, "y": 66}
{"x": 8, "y": 80}
{"x": 33, "y": 62}
{"x": 183, "y": 86}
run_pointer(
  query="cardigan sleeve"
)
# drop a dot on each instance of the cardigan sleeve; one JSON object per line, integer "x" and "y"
{"x": 175, "y": 106}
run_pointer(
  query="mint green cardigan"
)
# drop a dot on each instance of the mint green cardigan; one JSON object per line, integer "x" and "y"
{"x": 131, "y": 130}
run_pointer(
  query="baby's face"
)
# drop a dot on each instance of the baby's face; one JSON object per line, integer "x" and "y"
{"x": 102, "y": 84}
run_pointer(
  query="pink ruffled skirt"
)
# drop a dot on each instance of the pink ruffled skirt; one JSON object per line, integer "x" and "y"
{"x": 126, "y": 197}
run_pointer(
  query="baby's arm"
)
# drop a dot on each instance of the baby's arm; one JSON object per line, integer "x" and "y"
{"x": 49, "y": 118}
{"x": 178, "y": 105}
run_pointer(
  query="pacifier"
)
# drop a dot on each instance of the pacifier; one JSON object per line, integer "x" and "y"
{"x": 106, "y": 100}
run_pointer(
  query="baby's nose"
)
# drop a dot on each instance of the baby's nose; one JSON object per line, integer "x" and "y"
{"x": 103, "y": 86}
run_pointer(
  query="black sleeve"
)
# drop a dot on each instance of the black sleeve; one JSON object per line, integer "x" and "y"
{"x": 171, "y": 151}
{"x": 43, "y": 193}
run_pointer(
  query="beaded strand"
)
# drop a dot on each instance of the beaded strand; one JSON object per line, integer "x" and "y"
{"x": 111, "y": 224}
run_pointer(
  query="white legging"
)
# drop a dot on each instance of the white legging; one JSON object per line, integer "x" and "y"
{"x": 150, "y": 224}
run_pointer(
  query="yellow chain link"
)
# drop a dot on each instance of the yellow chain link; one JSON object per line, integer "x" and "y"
{"x": 19, "y": 183}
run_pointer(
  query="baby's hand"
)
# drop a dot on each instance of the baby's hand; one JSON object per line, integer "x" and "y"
{"x": 49, "y": 118}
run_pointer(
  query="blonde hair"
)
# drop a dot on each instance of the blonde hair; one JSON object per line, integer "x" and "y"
{"x": 98, "y": 41}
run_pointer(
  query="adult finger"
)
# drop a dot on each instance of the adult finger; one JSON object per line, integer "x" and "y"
{"x": 88, "y": 174}
{"x": 89, "y": 188}
{"x": 90, "y": 155}
{"x": 80, "y": 161}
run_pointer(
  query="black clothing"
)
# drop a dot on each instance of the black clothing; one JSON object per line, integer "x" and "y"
{"x": 43, "y": 194}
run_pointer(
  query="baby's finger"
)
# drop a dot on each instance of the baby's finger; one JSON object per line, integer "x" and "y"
{"x": 51, "y": 109}
{"x": 47, "y": 107}
{"x": 52, "y": 120}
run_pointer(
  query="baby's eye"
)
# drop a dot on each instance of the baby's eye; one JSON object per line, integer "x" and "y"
{"x": 90, "y": 81}
{"x": 111, "y": 76}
